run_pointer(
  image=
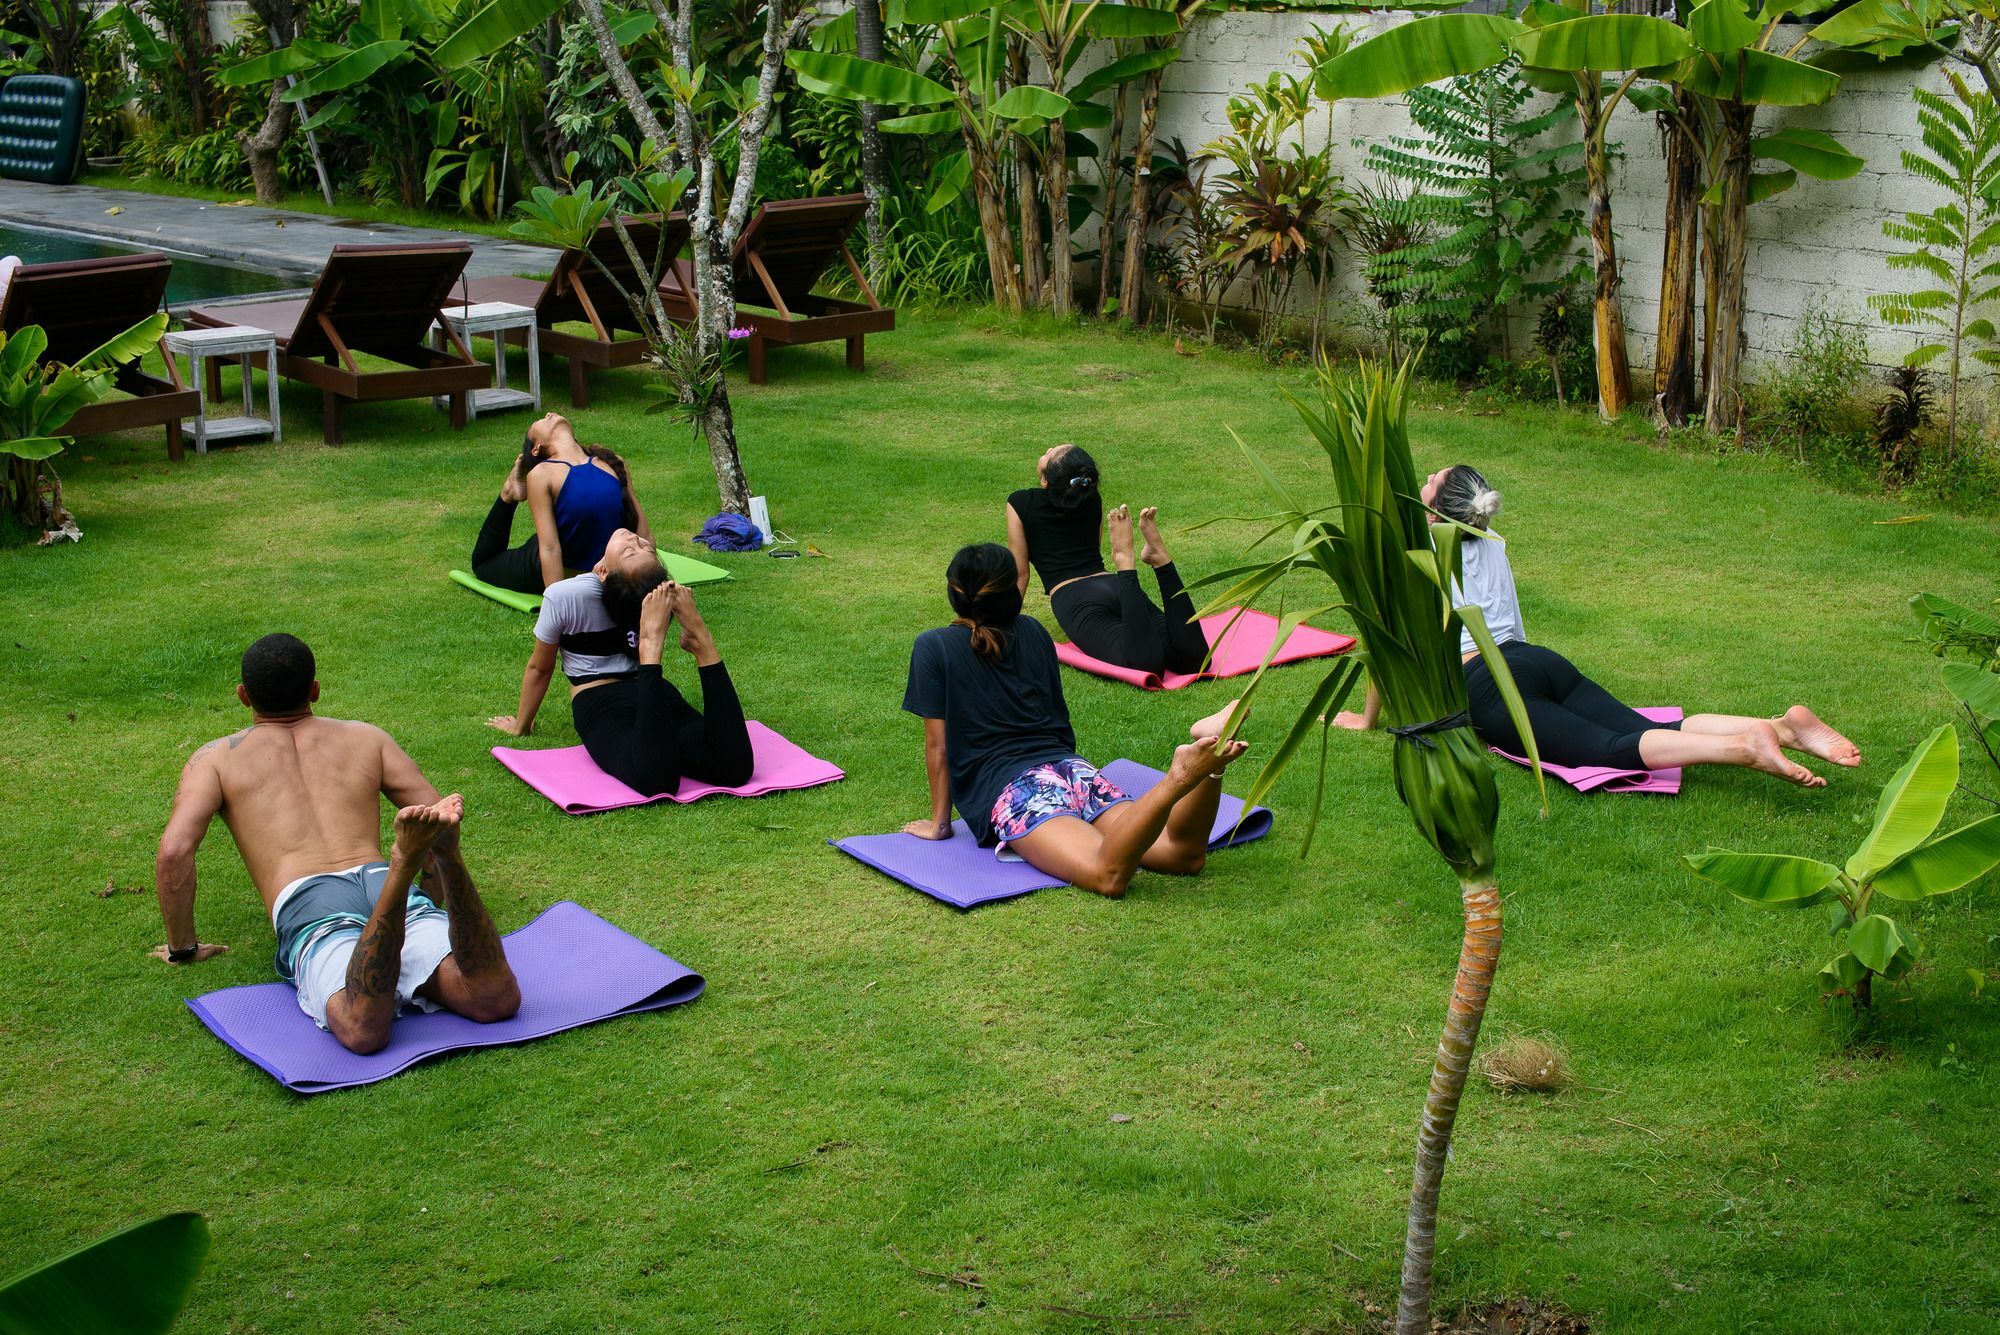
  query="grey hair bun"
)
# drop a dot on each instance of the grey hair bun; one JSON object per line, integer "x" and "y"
{"x": 1467, "y": 497}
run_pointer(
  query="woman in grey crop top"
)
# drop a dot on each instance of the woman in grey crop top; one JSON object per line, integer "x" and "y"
{"x": 1576, "y": 721}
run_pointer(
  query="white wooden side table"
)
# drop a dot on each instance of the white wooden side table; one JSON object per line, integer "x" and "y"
{"x": 496, "y": 319}
{"x": 231, "y": 341}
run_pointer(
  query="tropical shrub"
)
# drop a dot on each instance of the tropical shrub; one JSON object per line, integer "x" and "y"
{"x": 37, "y": 400}
{"x": 1899, "y": 416}
{"x": 1191, "y": 255}
{"x": 1950, "y": 629}
{"x": 1957, "y": 244}
{"x": 1807, "y": 401}
{"x": 1898, "y": 860}
{"x": 1495, "y": 199}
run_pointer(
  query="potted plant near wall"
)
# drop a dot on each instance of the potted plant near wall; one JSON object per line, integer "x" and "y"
{"x": 37, "y": 400}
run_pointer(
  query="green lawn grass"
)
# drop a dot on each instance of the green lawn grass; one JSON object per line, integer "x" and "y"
{"x": 876, "y": 1087}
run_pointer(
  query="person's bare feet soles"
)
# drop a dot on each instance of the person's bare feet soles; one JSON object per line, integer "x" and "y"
{"x": 1118, "y": 526}
{"x": 1767, "y": 757}
{"x": 1210, "y": 728}
{"x": 1799, "y": 729}
{"x": 1154, "y": 552}
{"x": 417, "y": 828}
{"x": 695, "y": 637}
{"x": 514, "y": 487}
{"x": 654, "y": 614}
{"x": 1203, "y": 760}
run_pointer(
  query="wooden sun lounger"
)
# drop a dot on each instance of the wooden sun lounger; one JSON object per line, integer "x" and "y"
{"x": 577, "y": 291}
{"x": 378, "y": 300}
{"x": 785, "y": 250}
{"x": 81, "y": 304}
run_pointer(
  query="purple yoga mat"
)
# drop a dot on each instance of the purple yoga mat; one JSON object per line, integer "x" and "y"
{"x": 961, "y": 873}
{"x": 568, "y": 777}
{"x": 1597, "y": 778}
{"x": 1238, "y": 651}
{"x": 574, "y": 968}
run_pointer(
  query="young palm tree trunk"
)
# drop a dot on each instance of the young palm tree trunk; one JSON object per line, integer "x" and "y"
{"x": 1107, "y": 231}
{"x": 993, "y": 225}
{"x": 1478, "y": 956}
{"x": 1731, "y": 250}
{"x": 1614, "y": 375}
{"x": 1674, "y": 379}
{"x": 1130, "y": 290}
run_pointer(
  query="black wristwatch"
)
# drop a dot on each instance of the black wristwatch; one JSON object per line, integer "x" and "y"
{"x": 183, "y": 956}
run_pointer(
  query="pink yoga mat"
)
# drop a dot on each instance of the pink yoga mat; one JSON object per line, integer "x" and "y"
{"x": 1241, "y": 650}
{"x": 569, "y": 778}
{"x": 1597, "y": 778}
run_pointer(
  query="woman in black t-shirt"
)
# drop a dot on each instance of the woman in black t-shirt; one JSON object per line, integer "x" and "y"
{"x": 1058, "y": 528}
{"x": 998, "y": 746}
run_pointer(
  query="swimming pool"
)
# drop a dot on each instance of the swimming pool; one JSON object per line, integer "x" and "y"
{"x": 194, "y": 278}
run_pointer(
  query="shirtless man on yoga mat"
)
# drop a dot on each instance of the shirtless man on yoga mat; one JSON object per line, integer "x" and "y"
{"x": 301, "y": 797}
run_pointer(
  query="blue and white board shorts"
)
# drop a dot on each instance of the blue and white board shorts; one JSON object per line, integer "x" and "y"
{"x": 319, "y": 920}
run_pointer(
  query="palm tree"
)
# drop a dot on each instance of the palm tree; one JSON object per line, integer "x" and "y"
{"x": 1395, "y": 563}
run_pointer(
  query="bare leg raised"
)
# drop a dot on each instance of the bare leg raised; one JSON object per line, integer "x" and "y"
{"x": 475, "y": 980}
{"x": 359, "y": 1015}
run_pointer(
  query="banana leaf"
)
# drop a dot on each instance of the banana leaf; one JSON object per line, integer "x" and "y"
{"x": 1947, "y": 863}
{"x": 357, "y": 66}
{"x": 832, "y": 74}
{"x": 1416, "y": 53}
{"x": 134, "y": 1282}
{"x": 1818, "y": 155}
{"x": 1775, "y": 880}
{"x": 1605, "y": 42}
{"x": 491, "y": 27}
{"x": 1911, "y": 805}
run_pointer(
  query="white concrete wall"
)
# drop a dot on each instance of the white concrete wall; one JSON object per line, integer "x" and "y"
{"x": 1819, "y": 236}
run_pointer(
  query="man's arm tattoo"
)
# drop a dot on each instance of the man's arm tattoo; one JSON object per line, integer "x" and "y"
{"x": 378, "y": 957}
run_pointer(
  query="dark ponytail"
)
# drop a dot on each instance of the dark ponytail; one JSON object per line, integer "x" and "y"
{"x": 1072, "y": 478}
{"x": 984, "y": 585}
{"x": 616, "y": 464}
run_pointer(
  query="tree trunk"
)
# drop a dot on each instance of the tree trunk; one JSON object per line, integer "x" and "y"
{"x": 874, "y": 153}
{"x": 261, "y": 149}
{"x": 1674, "y": 381}
{"x": 1034, "y": 255}
{"x": 1479, "y": 955}
{"x": 718, "y": 428}
{"x": 1062, "y": 282}
{"x": 1107, "y": 231}
{"x": 993, "y": 225}
{"x": 1130, "y": 287}
{"x": 1614, "y": 376}
{"x": 195, "y": 52}
{"x": 1731, "y": 252}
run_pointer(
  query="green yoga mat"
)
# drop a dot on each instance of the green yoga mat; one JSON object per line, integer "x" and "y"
{"x": 681, "y": 569}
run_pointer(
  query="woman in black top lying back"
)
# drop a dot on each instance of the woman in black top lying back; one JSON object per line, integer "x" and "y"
{"x": 1057, "y": 528}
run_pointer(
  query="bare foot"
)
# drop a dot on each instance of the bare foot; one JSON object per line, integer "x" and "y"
{"x": 417, "y": 828}
{"x": 1154, "y": 553}
{"x": 1799, "y": 729}
{"x": 514, "y": 487}
{"x": 1350, "y": 720}
{"x": 1210, "y": 728}
{"x": 1203, "y": 760}
{"x": 695, "y": 636}
{"x": 654, "y": 614}
{"x": 1768, "y": 758}
{"x": 1118, "y": 524}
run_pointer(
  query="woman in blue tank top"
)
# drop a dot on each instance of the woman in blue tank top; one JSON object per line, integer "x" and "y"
{"x": 579, "y": 496}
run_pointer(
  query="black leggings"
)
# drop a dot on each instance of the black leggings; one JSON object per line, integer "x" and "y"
{"x": 642, "y": 732}
{"x": 1576, "y": 721}
{"x": 1110, "y": 618}
{"x": 516, "y": 568}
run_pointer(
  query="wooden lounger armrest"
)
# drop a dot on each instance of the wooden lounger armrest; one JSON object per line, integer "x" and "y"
{"x": 464, "y": 350}
{"x": 859, "y": 277}
{"x": 590, "y": 310}
{"x": 770, "y": 288}
{"x": 339, "y": 346}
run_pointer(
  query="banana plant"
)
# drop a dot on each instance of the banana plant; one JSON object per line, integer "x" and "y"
{"x": 1948, "y": 628}
{"x": 135, "y": 1281}
{"x": 37, "y": 400}
{"x": 1394, "y": 565}
{"x": 1898, "y": 860}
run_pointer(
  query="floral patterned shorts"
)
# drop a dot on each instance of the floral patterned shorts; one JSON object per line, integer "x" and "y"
{"x": 1070, "y": 787}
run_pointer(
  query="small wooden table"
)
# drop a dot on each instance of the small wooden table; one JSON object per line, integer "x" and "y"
{"x": 234, "y": 341}
{"x": 495, "y": 319}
